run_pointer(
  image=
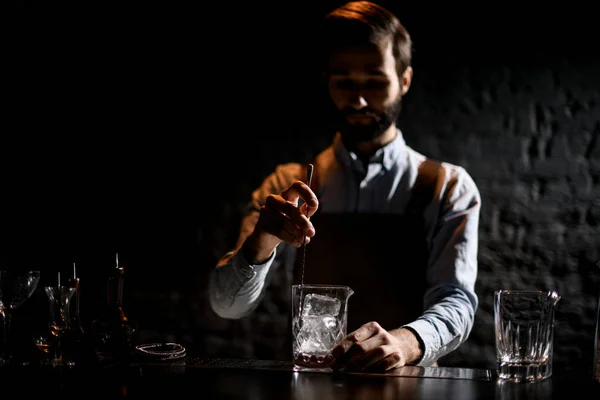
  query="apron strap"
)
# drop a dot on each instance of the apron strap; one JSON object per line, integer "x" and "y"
{"x": 429, "y": 179}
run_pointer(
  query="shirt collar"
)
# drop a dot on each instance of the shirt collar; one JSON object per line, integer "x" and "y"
{"x": 387, "y": 156}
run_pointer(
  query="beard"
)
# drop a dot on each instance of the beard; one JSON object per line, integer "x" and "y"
{"x": 357, "y": 132}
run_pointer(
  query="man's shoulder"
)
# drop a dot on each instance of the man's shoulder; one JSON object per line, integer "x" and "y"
{"x": 451, "y": 170}
{"x": 288, "y": 169}
{"x": 449, "y": 176}
{"x": 283, "y": 175}
{"x": 289, "y": 172}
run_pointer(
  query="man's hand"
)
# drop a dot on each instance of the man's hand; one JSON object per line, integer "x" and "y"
{"x": 372, "y": 348}
{"x": 281, "y": 220}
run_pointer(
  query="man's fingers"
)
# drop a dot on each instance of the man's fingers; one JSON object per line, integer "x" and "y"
{"x": 356, "y": 345}
{"x": 284, "y": 210}
{"x": 379, "y": 363}
{"x": 292, "y": 234}
{"x": 300, "y": 190}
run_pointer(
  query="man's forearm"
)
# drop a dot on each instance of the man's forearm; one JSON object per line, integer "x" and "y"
{"x": 235, "y": 287}
{"x": 445, "y": 325}
{"x": 411, "y": 344}
{"x": 255, "y": 253}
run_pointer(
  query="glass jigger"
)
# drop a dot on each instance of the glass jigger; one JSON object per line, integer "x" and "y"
{"x": 60, "y": 319}
{"x": 15, "y": 288}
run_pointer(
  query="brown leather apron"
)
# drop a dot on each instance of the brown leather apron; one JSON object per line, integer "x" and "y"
{"x": 381, "y": 257}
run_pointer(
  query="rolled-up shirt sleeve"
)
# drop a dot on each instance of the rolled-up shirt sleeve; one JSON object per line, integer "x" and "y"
{"x": 235, "y": 287}
{"x": 450, "y": 302}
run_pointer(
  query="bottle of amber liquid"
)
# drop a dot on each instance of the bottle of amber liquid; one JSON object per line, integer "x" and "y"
{"x": 76, "y": 342}
{"x": 112, "y": 331}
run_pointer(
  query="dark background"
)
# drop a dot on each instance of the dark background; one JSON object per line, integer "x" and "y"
{"x": 141, "y": 129}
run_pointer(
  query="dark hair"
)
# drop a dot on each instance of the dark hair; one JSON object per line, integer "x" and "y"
{"x": 363, "y": 23}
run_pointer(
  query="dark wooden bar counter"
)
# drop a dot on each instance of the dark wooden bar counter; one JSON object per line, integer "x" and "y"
{"x": 203, "y": 378}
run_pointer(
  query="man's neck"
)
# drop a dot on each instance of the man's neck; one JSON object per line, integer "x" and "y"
{"x": 364, "y": 150}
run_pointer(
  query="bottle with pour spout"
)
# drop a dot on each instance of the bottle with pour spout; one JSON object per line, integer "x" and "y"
{"x": 76, "y": 342}
{"x": 111, "y": 330}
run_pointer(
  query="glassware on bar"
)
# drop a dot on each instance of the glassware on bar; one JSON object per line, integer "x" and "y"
{"x": 111, "y": 330}
{"x": 59, "y": 297}
{"x": 16, "y": 286}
